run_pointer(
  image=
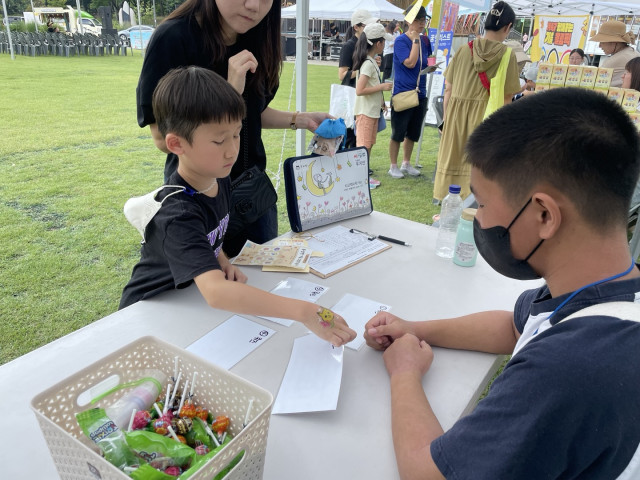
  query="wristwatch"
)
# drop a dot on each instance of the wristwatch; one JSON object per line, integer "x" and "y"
{"x": 416, "y": 40}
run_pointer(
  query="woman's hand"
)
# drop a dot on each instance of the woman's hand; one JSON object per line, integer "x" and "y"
{"x": 239, "y": 65}
{"x": 329, "y": 326}
{"x": 311, "y": 120}
{"x": 385, "y": 87}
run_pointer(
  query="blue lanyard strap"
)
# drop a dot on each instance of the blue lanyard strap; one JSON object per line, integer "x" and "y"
{"x": 608, "y": 279}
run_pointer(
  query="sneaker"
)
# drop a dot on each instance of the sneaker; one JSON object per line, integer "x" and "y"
{"x": 409, "y": 170}
{"x": 370, "y": 172}
{"x": 417, "y": 165}
{"x": 372, "y": 186}
{"x": 395, "y": 172}
{"x": 373, "y": 181}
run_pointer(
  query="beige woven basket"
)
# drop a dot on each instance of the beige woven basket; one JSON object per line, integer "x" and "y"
{"x": 76, "y": 457}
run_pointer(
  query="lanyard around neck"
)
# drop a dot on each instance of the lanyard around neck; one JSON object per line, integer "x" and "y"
{"x": 608, "y": 279}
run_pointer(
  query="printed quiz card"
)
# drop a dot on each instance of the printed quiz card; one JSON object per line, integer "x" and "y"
{"x": 357, "y": 311}
{"x": 231, "y": 341}
{"x": 298, "y": 290}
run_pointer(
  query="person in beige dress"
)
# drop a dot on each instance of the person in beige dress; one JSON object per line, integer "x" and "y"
{"x": 466, "y": 99}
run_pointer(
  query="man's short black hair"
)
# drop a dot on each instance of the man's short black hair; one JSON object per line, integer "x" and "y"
{"x": 578, "y": 141}
{"x": 188, "y": 97}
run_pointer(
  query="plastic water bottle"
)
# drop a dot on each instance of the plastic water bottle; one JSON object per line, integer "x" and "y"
{"x": 449, "y": 220}
{"x": 466, "y": 252}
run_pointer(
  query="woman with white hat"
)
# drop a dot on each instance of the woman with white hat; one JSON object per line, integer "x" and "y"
{"x": 614, "y": 42}
{"x": 359, "y": 19}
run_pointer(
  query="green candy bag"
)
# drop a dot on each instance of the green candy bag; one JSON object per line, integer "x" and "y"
{"x": 105, "y": 433}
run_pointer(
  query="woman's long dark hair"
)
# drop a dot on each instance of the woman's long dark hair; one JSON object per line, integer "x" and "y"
{"x": 633, "y": 67}
{"x": 264, "y": 40}
{"x": 362, "y": 50}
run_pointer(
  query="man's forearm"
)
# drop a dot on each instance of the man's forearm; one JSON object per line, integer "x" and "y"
{"x": 414, "y": 426}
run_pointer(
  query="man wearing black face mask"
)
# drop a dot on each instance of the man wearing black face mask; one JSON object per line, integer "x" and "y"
{"x": 552, "y": 202}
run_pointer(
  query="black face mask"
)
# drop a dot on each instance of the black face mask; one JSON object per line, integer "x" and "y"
{"x": 494, "y": 244}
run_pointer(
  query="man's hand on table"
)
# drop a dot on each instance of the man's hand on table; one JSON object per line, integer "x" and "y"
{"x": 384, "y": 328}
{"x": 408, "y": 355}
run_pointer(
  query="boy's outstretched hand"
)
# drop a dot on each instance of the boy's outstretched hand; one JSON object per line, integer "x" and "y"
{"x": 330, "y": 326}
{"x": 383, "y": 329}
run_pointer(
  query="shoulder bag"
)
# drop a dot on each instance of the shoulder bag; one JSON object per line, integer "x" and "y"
{"x": 406, "y": 100}
{"x": 252, "y": 193}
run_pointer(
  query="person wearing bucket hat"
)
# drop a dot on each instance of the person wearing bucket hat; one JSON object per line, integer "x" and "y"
{"x": 410, "y": 56}
{"x": 521, "y": 57}
{"x": 614, "y": 42}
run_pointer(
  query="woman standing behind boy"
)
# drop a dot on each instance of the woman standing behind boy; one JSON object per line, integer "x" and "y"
{"x": 240, "y": 41}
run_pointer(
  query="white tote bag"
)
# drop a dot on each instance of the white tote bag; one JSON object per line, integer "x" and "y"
{"x": 342, "y": 104}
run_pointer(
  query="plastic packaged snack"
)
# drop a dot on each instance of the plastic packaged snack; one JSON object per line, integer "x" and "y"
{"x": 98, "y": 427}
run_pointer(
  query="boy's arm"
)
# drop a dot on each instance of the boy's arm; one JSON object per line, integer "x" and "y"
{"x": 492, "y": 331}
{"x": 240, "y": 298}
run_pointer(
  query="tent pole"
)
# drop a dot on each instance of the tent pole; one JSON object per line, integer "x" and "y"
{"x": 6, "y": 19}
{"x": 302, "y": 49}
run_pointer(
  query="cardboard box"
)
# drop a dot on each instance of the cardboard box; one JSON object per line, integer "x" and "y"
{"x": 588, "y": 78}
{"x": 630, "y": 100}
{"x": 635, "y": 118}
{"x": 603, "y": 91}
{"x": 544, "y": 73}
{"x": 603, "y": 78}
{"x": 574, "y": 72}
{"x": 616, "y": 94}
{"x": 558, "y": 75}
{"x": 541, "y": 88}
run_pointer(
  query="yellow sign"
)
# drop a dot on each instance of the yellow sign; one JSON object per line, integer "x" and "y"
{"x": 554, "y": 36}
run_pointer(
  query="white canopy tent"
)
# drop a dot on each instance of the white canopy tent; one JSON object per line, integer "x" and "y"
{"x": 342, "y": 9}
{"x": 529, "y": 8}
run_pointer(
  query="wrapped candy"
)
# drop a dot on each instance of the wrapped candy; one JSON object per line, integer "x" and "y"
{"x": 141, "y": 420}
{"x": 220, "y": 424}
{"x": 161, "y": 426}
{"x": 173, "y": 471}
{"x": 202, "y": 450}
{"x": 182, "y": 425}
{"x": 188, "y": 410}
{"x": 202, "y": 413}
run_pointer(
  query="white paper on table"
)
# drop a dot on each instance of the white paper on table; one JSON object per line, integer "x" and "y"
{"x": 357, "y": 311}
{"x": 231, "y": 341}
{"x": 313, "y": 377}
{"x": 341, "y": 248}
{"x": 298, "y": 290}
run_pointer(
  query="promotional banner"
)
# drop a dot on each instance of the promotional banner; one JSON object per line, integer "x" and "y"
{"x": 443, "y": 55}
{"x": 554, "y": 36}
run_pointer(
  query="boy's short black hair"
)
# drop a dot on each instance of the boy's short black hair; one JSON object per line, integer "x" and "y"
{"x": 574, "y": 140}
{"x": 500, "y": 15}
{"x": 188, "y": 97}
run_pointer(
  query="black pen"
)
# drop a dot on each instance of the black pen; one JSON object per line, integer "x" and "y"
{"x": 393, "y": 240}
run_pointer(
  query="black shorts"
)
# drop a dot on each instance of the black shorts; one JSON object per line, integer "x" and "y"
{"x": 408, "y": 123}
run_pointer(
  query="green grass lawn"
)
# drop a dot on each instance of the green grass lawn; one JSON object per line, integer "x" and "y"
{"x": 72, "y": 153}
